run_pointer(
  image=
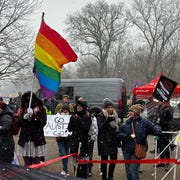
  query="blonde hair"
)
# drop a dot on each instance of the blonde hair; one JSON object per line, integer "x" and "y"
{"x": 106, "y": 114}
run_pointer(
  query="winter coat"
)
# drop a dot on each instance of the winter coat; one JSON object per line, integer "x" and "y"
{"x": 142, "y": 128}
{"x": 107, "y": 143}
{"x": 6, "y": 138}
{"x": 13, "y": 106}
{"x": 32, "y": 130}
{"x": 164, "y": 119}
{"x": 79, "y": 126}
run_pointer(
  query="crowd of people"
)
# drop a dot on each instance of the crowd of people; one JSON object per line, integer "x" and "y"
{"x": 86, "y": 124}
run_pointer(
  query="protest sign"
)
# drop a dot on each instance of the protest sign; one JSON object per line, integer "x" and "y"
{"x": 57, "y": 126}
{"x": 164, "y": 89}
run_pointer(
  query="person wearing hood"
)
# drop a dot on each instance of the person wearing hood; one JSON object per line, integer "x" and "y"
{"x": 6, "y": 137}
{"x": 79, "y": 125}
{"x": 107, "y": 121}
{"x": 134, "y": 129}
{"x": 31, "y": 143}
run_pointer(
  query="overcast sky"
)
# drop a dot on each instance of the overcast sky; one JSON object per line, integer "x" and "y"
{"x": 56, "y": 11}
{"x": 55, "y": 14}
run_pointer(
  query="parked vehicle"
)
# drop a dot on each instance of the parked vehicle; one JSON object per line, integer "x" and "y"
{"x": 94, "y": 90}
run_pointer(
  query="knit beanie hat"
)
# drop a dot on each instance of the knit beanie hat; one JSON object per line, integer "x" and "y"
{"x": 136, "y": 109}
{"x": 3, "y": 105}
{"x": 107, "y": 102}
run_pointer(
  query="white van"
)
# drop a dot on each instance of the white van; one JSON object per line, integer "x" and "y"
{"x": 94, "y": 90}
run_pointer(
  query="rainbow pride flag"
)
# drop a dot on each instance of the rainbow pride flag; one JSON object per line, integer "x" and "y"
{"x": 51, "y": 52}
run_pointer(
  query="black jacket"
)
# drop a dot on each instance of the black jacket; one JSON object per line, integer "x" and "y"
{"x": 33, "y": 130}
{"x": 165, "y": 117}
{"x": 6, "y": 138}
{"x": 107, "y": 139}
{"x": 79, "y": 126}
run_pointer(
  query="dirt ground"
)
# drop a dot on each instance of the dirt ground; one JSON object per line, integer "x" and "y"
{"x": 148, "y": 169}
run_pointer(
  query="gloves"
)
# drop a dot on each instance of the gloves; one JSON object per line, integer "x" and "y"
{"x": 114, "y": 125}
{"x": 29, "y": 111}
{"x": 132, "y": 136}
{"x": 110, "y": 118}
{"x": 27, "y": 116}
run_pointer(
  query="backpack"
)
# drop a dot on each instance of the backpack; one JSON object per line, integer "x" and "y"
{"x": 15, "y": 118}
{"x": 93, "y": 131}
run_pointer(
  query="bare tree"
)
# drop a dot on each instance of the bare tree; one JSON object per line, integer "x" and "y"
{"x": 16, "y": 45}
{"x": 157, "y": 24}
{"x": 94, "y": 32}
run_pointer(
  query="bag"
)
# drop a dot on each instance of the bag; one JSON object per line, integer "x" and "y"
{"x": 140, "y": 151}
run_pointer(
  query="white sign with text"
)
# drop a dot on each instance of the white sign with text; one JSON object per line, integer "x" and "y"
{"x": 57, "y": 126}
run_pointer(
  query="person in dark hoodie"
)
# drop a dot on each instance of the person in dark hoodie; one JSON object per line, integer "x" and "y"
{"x": 32, "y": 144}
{"x": 79, "y": 125}
{"x": 6, "y": 137}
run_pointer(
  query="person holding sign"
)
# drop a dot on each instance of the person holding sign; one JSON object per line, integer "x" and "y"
{"x": 164, "y": 117}
{"x": 64, "y": 142}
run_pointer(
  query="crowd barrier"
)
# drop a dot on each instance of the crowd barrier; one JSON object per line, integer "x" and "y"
{"x": 36, "y": 166}
{"x": 176, "y": 140}
{"x": 175, "y": 161}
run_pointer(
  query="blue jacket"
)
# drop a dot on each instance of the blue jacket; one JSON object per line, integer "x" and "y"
{"x": 142, "y": 129}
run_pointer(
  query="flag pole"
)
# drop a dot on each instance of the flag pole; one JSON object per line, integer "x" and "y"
{"x": 42, "y": 18}
{"x": 30, "y": 100}
{"x": 34, "y": 67}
